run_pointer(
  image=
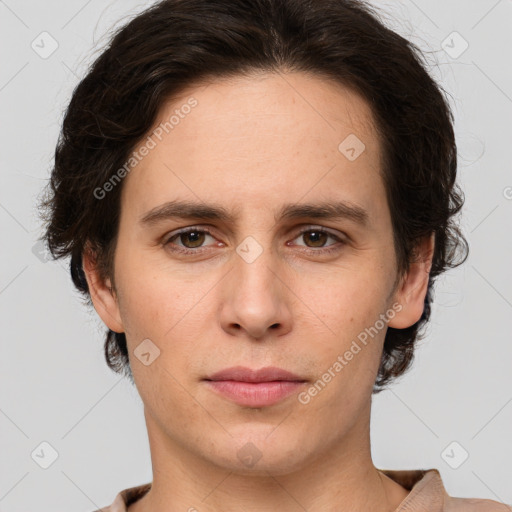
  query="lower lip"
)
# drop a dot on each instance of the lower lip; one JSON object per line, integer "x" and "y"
{"x": 255, "y": 394}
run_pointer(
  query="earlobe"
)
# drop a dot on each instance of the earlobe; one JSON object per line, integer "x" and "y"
{"x": 413, "y": 287}
{"x": 102, "y": 295}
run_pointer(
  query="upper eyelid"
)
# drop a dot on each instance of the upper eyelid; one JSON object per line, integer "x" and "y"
{"x": 188, "y": 229}
{"x": 208, "y": 230}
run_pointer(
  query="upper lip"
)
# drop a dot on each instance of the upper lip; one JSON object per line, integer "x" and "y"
{"x": 244, "y": 374}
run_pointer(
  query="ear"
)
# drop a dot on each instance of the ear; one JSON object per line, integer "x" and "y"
{"x": 413, "y": 286}
{"x": 102, "y": 294}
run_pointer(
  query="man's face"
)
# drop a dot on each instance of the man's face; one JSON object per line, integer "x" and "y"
{"x": 252, "y": 290}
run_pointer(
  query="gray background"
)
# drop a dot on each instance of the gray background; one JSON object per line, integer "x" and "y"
{"x": 55, "y": 386}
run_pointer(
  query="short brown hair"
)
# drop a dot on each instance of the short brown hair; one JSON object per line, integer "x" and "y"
{"x": 176, "y": 43}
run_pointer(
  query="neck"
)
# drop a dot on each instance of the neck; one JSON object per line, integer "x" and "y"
{"x": 340, "y": 477}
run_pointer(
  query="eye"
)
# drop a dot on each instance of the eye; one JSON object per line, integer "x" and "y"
{"x": 190, "y": 240}
{"x": 318, "y": 237}
{"x": 193, "y": 240}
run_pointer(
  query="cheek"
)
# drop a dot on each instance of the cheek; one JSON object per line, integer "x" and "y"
{"x": 345, "y": 301}
{"x": 150, "y": 301}
{"x": 172, "y": 310}
{"x": 348, "y": 329}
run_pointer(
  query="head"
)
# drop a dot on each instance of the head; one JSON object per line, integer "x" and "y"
{"x": 246, "y": 109}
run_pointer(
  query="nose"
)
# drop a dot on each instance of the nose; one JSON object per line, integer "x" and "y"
{"x": 256, "y": 299}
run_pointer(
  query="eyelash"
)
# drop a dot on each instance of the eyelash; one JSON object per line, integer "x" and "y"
{"x": 323, "y": 250}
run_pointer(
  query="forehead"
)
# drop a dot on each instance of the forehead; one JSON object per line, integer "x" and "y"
{"x": 259, "y": 137}
{"x": 294, "y": 104}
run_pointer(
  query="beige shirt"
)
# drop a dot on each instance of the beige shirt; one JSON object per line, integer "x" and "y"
{"x": 427, "y": 494}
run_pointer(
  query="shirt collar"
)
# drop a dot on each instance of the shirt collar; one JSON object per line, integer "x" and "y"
{"x": 427, "y": 492}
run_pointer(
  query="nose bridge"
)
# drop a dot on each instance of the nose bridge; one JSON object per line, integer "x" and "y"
{"x": 255, "y": 263}
{"x": 257, "y": 299}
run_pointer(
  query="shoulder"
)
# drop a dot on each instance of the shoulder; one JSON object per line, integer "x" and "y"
{"x": 427, "y": 492}
{"x": 474, "y": 505}
{"x": 109, "y": 508}
{"x": 126, "y": 497}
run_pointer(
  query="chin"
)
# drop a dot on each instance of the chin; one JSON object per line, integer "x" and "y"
{"x": 261, "y": 453}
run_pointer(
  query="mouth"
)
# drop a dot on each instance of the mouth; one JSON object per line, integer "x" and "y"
{"x": 255, "y": 388}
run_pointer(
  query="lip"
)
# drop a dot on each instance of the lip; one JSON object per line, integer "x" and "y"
{"x": 255, "y": 388}
{"x": 244, "y": 374}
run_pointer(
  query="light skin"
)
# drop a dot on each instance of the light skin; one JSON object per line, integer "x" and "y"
{"x": 251, "y": 146}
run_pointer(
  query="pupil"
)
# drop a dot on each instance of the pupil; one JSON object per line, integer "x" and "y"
{"x": 315, "y": 235}
{"x": 197, "y": 238}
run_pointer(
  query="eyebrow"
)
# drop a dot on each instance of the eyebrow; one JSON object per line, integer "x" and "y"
{"x": 193, "y": 210}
